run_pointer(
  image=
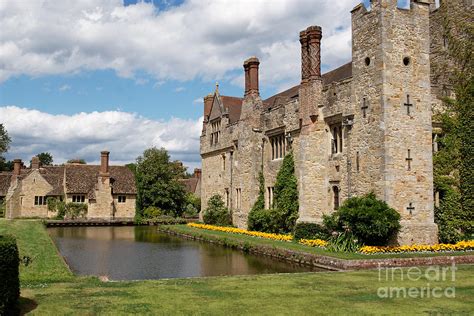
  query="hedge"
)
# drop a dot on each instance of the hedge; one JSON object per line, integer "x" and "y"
{"x": 9, "y": 275}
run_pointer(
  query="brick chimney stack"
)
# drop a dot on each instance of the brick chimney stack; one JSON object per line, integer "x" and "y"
{"x": 16, "y": 167}
{"x": 251, "y": 75}
{"x": 310, "y": 40}
{"x": 197, "y": 173}
{"x": 35, "y": 163}
{"x": 104, "y": 163}
{"x": 208, "y": 106}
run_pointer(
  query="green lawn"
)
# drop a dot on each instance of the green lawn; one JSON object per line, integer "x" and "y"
{"x": 48, "y": 284}
{"x": 236, "y": 238}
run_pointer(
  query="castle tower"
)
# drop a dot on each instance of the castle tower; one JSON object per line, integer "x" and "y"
{"x": 391, "y": 150}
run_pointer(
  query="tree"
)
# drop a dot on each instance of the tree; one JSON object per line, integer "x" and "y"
{"x": 46, "y": 159}
{"x": 78, "y": 161}
{"x": 4, "y": 140}
{"x": 216, "y": 213}
{"x": 285, "y": 194}
{"x": 454, "y": 162}
{"x": 157, "y": 183}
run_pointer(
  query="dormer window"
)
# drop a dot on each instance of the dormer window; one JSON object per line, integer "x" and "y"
{"x": 215, "y": 131}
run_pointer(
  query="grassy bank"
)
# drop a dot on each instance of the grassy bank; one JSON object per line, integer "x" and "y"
{"x": 253, "y": 241}
{"x": 49, "y": 288}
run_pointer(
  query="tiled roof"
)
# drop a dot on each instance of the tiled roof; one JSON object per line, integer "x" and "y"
{"x": 5, "y": 179}
{"x": 338, "y": 74}
{"x": 189, "y": 184}
{"x": 233, "y": 106}
{"x": 83, "y": 179}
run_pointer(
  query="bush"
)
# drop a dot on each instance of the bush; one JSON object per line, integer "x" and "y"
{"x": 152, "y": 212}
{"x": 216, "y": 213}
{"x": 3, "y": 208}
{"x": 190, "y": 211}
{"x": 52, "y": 204}
{"x": 61, "y": 208}
{"x": 9, "y": 275}
{"x": 310, "y": 231}
{"x": 75, "y": 210}
{"x": 372, "y": 221}
{"x": 262, "y": 220}
{"x": 343, "y": 242}
{"x": 286, "y": 195}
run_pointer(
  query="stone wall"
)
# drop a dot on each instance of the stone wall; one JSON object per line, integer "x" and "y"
{"x": 33, "y": 185}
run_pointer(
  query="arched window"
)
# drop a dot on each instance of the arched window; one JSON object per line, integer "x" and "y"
{"x": 335, "y": 191}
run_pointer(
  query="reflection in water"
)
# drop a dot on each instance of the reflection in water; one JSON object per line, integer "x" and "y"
{"x": 141, "y": 252}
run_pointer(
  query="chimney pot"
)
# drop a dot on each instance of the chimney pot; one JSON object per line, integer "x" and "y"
{"x": 251, "y": 75}
{"x": 310, "y": 40}
{"x": 104, "y": 163}
{"x": 208, "y": 106}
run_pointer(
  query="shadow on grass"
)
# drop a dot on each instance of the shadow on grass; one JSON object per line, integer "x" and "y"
{"x": 27, "y": 305}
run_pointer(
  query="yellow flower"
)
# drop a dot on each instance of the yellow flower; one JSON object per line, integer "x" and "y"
{"x": 242, "y": 232}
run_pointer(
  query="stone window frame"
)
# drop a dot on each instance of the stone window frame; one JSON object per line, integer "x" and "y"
{"x": 336, "y": 196}
{"x": 215, "y": 131}
{"x": 121, "y": 199}
{"x": 238, "y": 198}
{"x": 277, "y": 145}
{"x": 40, "y": 200}
{"x": 270, "y": 194}
{"x": 78, "y": 198}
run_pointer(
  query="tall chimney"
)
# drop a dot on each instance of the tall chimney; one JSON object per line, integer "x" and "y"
{"x": 16, "y": 167}
{"x": 252, "y": 79}
{"x": 305, "y": 63}
{"x": 314, "y": 35}
{"x": 197, "y": 173}
{"x": 104, "y": 163}
{"x": 35, "y": 163}
{"x": 247, "y": 77}
{"x": 208, "y": 106}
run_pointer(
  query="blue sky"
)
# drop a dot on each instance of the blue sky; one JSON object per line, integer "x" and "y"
{"x": 137, "y": 70}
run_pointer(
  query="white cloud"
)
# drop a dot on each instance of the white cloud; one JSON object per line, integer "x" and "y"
{"x": 198, "y": 39}
{"x": 84, "y": 135}
{"x": 179, "y": 89}
{"x": 198, "y": 100}
{"x": 64, "y": 87}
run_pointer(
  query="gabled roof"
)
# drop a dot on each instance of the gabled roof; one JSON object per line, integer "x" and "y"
{"x": 82, "y": 179}
{"x": 223, "y": 104}
{"x": 189, "y": 184}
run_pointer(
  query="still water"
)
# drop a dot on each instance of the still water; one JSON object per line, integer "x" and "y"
{"x": 141, "y": 252}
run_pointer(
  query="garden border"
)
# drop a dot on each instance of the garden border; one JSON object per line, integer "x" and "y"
{"x": 326, "y": 262}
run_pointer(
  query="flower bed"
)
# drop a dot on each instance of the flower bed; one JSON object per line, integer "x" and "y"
{"x": 465, "y": 245}
{"x": 243, "y": 232}
{"x": 314, "y": 242}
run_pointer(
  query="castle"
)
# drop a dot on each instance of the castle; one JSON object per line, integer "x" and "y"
{"x": 108, "y": 191}
{"x": 365, "y": 126}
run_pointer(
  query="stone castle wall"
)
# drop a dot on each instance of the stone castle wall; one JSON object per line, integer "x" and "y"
{"x": 386, "y": 145}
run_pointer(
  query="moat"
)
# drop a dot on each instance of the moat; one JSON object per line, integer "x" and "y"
{"x": 141, "y": 252}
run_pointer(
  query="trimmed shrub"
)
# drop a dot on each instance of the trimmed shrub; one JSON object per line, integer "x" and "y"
{"x": 152, "y": 212}
{"x": 75, "y": 210}
{"x": 304, "y": 230}
{"x": 216, "y": 213}
{"x": 262, "y": 220}
{"x": 9, "y": 276}
{"x": 286, "y": 195}
{"x": 371, "y": 221}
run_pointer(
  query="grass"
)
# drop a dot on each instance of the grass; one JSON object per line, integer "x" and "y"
{"x": 236, "y": 238}
{"x": 49, "y": 288}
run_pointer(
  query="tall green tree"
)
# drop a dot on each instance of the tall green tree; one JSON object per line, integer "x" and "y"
{"x": 285, "y": 194}
{"x": 157, "y": 183}
{"x": 4, "y": 145}
{"x": 454, "y": 162}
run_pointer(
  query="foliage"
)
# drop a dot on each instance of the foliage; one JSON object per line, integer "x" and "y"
{"x": 371, "y": 221}
{"x": 216, "y": 213}
{"x": 46, "y": 159}
{"x": 305, "y": 230}
{"x": 56, "y": 205}
{"x": 77, "y": 161}
{"x": 151, "y": 212}
{"x": 193, "y": 205}
{"x": 285, "y": 195}
{"x": 52, "y": 204}
{"x": 3, "y": 208}
{"x": 454, "y": 162}
{"x": 157, "y": 182}
{"x": 5, "y": 165}
{"x": 75, "y": 210}
{"x": 9, "y": 274}
{"x": 263, "y": 220}
{"x": 343, "y": 242}
{"x": 4, "y": 140}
